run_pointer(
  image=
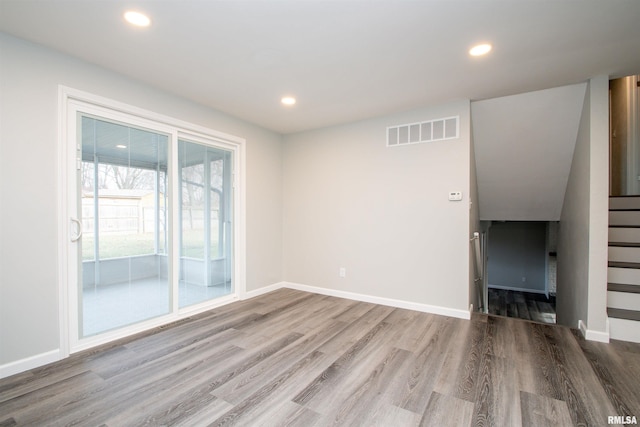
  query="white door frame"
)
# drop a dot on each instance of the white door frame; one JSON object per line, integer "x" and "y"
{"x": 71, "y": 101}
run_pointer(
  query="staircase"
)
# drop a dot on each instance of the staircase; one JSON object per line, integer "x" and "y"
{"x": 623, "y": 289}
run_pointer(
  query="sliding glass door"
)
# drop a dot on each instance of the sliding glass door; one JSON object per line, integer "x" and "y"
{"x": 122, "y": 192}
{"x": 205, "y": 220}
{"x": 151, "y": 223}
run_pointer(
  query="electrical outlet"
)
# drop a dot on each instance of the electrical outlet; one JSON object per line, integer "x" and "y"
{"x": 342, "y": 272}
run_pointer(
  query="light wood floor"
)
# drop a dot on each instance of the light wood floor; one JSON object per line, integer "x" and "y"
{"x": 299, "y": 359}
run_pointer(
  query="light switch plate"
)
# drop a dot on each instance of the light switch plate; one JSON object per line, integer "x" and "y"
{"x": 455, "y": 196}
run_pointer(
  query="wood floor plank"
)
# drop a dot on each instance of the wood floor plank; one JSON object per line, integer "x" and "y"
{"x": 459, "y": 373}
{"x": 251, "y": 407}
{"x": 366, "y": 397}
{"x": 245, "y": 384}
{"x": 418, "y": 380}
{"x": 324, "y": 387}
{"x": 21, "y": 385}
{"x": 414, "y": 327}
{"x": 9, "y": 422}
{"x": 287, "y": 413}
{"x": 536, "y": 367}
{"x": 51, "y": 396}
{"x": 201, "y": 416}
{"x": 354, "y": 312}
{"x": 587, "y": 402}
{"x": 329, "y": 309}
{"x": 299, "y": 359}
{"x": 106, "y": 401}
{"x": 498, "y": 400}
{"x": 167, "y": 356}
{"x": 387, "y": 415}
{"x": 447, "y": 411}
{"x": 611, "y": 370}
{"x": 43, "y": 376}
{"x": 631, "y": 363}
{"x": 500, "y": 341}
{"x": 282, "y": 310}
{"x": 352, "y": 373}
{"x": 541, "y": 411}
{"x": 273, "y": 300}
{"x": 184, "y": 331}
{"x": 199, "y": 389}
{"x": 174, "y": 371}
{"x": 164, "y": 411}
{"x": 159, "y": 397}
{"x": 358, "y": 327}
{"x": 277, "y": 321}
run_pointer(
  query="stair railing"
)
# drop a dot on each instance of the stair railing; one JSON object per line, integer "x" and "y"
{"x": 479, "y": 247}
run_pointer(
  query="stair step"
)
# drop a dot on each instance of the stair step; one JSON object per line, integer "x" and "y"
{"x": 620, "y": 264}
{"x": 623, "y": 226}
{"x": 623, "y": 300}
{"x": 624, "y": 234}
{"x": 620, "y": 313}
{"x": 624, "y": 217}
{"x": 625, "y": 244}
{"x": 623, "y": 287}
{"x": 624, "y": 202}
{"x": 624, "y": 254}
{"x": 630, "y": 276}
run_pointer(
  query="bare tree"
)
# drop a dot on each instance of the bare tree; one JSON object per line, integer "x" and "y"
{"x": 127, "y": 178}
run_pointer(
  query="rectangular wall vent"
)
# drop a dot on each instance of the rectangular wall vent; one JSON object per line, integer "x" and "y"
{"x": 415, "y": 133}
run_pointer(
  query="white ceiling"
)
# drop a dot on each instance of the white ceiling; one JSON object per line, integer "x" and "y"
{"x": 343, "y": 60}
{"x": 523, "y": 151}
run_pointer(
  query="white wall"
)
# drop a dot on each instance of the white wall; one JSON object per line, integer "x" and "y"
{"x": 29, "y": 79}
{"x": 524, "y": 144}
{"x": 582, "y": 238}
{"x": 381, "y": 213}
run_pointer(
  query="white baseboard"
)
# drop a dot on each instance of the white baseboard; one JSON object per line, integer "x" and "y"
{"x": 261, "y": 291}
{"x": 36, "y": 361}
{"x": 426, "y": 308}
{"x": 591, "y": 335}
{"x": 583, "y": 328}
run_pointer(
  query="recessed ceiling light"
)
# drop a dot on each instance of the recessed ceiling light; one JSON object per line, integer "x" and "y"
{"x": 136, "y": 18}
{"x": 480, "y": 49}
{"x": 288, "y": 100}
{"x": 121, "y": 146}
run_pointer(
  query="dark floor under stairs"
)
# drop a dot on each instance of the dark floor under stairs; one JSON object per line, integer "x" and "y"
{"x": 522, "y": 305}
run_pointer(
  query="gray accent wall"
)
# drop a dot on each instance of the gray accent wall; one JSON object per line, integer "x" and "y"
{"x": 518, "y": 256}
{"x": 582, "y": 237}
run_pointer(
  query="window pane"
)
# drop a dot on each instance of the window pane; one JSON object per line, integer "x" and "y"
{"x": 205, "y": 263}
{"x": 123, "y": 180}
{"x": 193, "y": 211}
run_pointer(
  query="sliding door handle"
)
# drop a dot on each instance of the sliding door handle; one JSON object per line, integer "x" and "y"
{"x": 78, "y": 229}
